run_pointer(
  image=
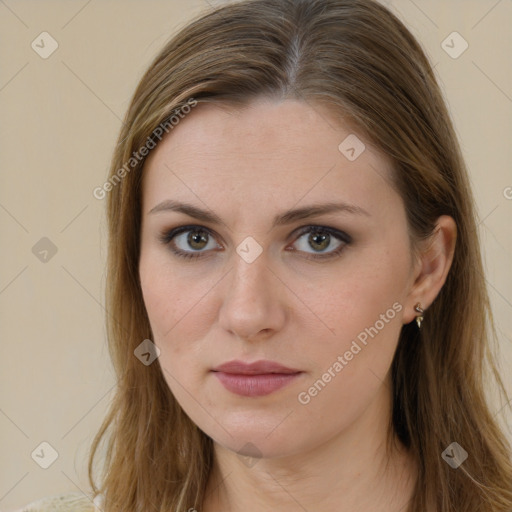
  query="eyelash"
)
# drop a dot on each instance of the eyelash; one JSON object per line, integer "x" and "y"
{"x": 167, "y": 237}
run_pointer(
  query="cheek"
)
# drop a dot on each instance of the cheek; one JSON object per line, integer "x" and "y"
{"x": 170, "y": 326}
{"x": 350, "y": 368}
{"x": 159, "y": 301}
{"x": 359, "y": 293}
{"x": 164, "y": 291}
{"x": 176, "y": 301}
{"x": 364, "y": 313}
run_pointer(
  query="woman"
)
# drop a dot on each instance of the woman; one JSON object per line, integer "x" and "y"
{"x": 297, "y": 310}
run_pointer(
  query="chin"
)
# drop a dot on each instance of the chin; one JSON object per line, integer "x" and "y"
{"x": 256, "y": 439}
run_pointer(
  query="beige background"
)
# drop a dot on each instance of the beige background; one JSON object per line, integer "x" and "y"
{"x": 60, "y": 118}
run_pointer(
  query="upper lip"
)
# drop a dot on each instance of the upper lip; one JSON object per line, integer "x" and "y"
{"x": 257, "y": 368}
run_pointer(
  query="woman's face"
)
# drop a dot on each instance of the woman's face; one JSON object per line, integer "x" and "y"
{"x": 260, "y": 279}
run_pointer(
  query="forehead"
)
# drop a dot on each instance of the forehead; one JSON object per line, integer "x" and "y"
{"x": 267, "y": 152}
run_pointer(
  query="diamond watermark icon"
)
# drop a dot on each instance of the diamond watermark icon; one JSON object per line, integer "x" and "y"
{"x": 44, "y": 250}
{"x": 454, "y": 455}
{"x": 44, "y": 455}
{"x": 147, "y": 352}
{"x": 253, "y": 456}
{"x": 44, "y": 45}
{"x": 352, "y": 147}
{"x": 454, "y": 45}
{"x": 249, "y": 249}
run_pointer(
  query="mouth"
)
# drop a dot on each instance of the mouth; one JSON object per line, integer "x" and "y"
{"x": 254, "y": 379}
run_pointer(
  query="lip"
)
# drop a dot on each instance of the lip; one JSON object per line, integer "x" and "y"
{"x": 254, "y": 379}
{"x": 260, "y": 367}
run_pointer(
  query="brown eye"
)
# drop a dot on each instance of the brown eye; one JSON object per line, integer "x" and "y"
{"x": 320, "y": 239}
{"x": 189, "y": 241}
{"x": 197, "y": 239}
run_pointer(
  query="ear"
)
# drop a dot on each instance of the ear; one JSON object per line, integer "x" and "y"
{"x": 432, "y": 267}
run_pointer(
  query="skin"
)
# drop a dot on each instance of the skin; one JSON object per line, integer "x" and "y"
{"x": 248, "y": 165}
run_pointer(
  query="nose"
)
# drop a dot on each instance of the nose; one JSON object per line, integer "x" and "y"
{"x": 254, "y": 302}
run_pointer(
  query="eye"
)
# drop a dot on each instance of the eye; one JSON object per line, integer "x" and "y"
{"x": 320, "y": 238}
{"x": 185, "y": 238}
{"x": 193, "y": 241}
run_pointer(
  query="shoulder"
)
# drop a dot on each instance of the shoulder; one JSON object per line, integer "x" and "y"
{"x": 67, "y": 502}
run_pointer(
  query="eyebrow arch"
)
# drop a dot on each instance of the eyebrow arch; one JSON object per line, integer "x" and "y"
{"x": 279, "y": 220}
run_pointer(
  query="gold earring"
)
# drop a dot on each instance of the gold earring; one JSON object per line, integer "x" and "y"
{"x": 419, "y": 318}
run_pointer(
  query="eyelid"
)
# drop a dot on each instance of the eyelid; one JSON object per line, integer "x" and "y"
{"x": 337, "y": 233}
{"x": 168, "y": 235}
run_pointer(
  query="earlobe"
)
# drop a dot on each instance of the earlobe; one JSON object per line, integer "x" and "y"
{"x": 434, "y": 264}
{"x": 419, "y": 318}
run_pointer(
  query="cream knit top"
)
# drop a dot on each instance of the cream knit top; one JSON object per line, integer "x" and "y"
{"x": 68, "y": 502}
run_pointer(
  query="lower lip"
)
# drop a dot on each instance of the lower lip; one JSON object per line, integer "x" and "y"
{"x": 255, "y": 385}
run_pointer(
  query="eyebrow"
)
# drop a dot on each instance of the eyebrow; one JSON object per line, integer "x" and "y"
{"x": 279, "y": 220}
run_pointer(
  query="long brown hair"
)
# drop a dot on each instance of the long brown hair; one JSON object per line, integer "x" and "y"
{"x": 356, "y": 57}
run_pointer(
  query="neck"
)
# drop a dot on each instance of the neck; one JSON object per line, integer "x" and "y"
{"x": 356, "y": 470}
